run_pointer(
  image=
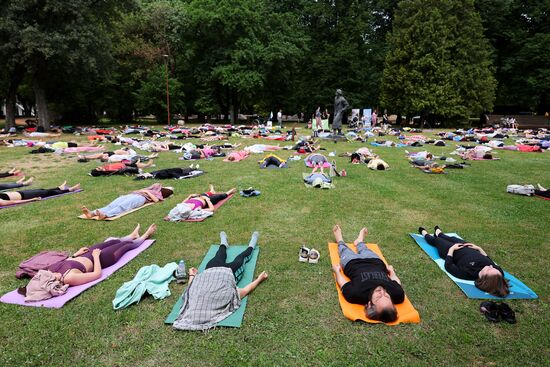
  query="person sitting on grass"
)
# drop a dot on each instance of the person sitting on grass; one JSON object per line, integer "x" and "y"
{"x": 84, "y": 266}
{"x": 19, "y": 183}
{"x": 213, "y": 295}
{"x": 125, "y": 203}
{"x": 371, "y": 283}
{"x": 197, "y": 206}
{"x": 465, "y": 260}
{"x": 19, "y": 197}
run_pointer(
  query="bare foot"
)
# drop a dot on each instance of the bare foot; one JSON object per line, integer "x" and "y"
{"x": 87, "y": 213}
{"x": 211, "y": 188}
{"x": 337, "y": 233}
{"x": 232, "y": 191}
{"x": 74, "y": 188}
{"x": 361, "y": 237}
{"x": 150, "y": 231}
{"x": 21, "y": 180}
{"x": 63, "y": 186}
{"x": 135, "y": 232}
{"x": 29, "y": 181}
{"x": 540, "y": 187}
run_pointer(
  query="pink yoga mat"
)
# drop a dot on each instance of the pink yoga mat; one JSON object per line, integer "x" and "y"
{"x": 57, "y": 302}
{"x": 49, "y": 197}
{"x": 220, "y": 203}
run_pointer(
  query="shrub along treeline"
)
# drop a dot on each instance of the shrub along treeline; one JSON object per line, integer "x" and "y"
{"x": 88, "y": 59}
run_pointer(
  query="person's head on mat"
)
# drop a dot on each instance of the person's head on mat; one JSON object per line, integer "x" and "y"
{"x": 83, "y": 266}
{"x": 381, "y": 307}
{"x": 167, "y": 191}
{"x": 371, "y": 282}
{"x": 467, "y": 261}
{"x": 492, "y": 281}
{"x": 487, "y": 156}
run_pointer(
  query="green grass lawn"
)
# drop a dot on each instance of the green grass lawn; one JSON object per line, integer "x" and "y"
{"x": 294, "y": 317}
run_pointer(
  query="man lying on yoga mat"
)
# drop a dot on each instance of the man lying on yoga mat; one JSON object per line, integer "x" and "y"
{"x": 19, "y": 183}
{"x": 467, "y": 261}
{"x": 125, "y": 203}
{"x": 371, "y": 283}
{"x": 315, "y": 177}
{"x": 204, "y": 202}
{"x": 213, "y": 294}
{"x": 18, "y": 197}
{"x": 86, "y": 264}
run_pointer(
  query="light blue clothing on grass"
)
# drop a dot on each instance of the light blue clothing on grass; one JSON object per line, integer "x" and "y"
{"x": 317, "y": 176}
{"x": 151, "y": 279}
{"x": 123, "y": 204}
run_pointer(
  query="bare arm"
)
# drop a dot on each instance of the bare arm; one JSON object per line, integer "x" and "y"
{"x": 210, "y": 206}
{"x": 10, "y": 202}
{"x": 243, "y": 292}
{"x": 73, "y": 278}
{"x": 392, "y": 275}
{"x": 340, "y": 279}
{"x": 153, "y": 198}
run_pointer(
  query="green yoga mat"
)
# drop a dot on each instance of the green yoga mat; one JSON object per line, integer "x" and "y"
{"x": 236, "y": 318}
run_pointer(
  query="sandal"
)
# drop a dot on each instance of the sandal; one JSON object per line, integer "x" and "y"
{"x": 490, "y": 310}
{"x": 507, "y": 313}
{"x": 314, "y": 256}
{"x": 304, "y": 255}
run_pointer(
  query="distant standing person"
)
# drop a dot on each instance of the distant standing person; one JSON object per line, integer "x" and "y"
{"x": 340, "y": 106}
{"x": 280, "y": 118}
{"x": 374, "y": 118}
{"x": 318, "y": 121}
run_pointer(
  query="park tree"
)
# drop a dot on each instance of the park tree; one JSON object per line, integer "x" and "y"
{"x": 53, "y": 41}
{"x": 438, "y": 61}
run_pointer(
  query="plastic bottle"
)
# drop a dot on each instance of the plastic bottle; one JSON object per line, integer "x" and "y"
{"x": 180, "y": 272}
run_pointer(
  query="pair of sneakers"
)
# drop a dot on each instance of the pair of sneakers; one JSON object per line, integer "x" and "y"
{"x": 494, "y": 312}
{"x": 309, "y": 255}
{"x": 194, "y": 166}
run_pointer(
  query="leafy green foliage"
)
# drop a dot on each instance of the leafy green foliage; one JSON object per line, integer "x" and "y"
{"x": 438, "y": 61}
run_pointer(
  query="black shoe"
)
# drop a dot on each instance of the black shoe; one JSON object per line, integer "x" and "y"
{"x": 490, "y": 310}
{"x": 421, "y": 229}
{"x": 507, "y": 313}
{"x": 435, "y": 230}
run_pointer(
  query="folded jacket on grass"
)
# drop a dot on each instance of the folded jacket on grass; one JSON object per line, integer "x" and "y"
{"x": 518, "y": 290}
{"x": 405, "y": 311}
{"x": 57, "y": 302}
{"x": 46, "y": 198}
{"x": 220, "y": 203}
{"x": 150, "y": 279}
{"x": 82, "y": 216}
{"x": 236, "y": 318}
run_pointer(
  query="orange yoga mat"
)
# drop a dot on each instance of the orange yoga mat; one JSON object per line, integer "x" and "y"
{"x": 406, "y": 312}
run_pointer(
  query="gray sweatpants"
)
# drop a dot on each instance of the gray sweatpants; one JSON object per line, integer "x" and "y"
{"x": 346, "y": 254}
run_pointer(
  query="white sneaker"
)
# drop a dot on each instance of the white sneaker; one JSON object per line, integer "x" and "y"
{"x": 314, "y": 256}
{"x": 304, "y": 255}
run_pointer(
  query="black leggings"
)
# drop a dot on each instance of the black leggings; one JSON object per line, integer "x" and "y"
{"x": 271, "y": 161}
{"x": 112, "y": 250}
{"x": 443, "y": 243}
{"x": 10, "y": 185}
{"x": 6, "y": 174}
{"x": 40, "y": 193}
{"x": 236, "y": 266}
{"x": 172, "y": 173}
{"x": 215, "y": 198}
{"x": 544, "y": 194}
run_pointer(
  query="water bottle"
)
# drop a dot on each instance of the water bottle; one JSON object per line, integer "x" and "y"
{"x": 180, "y": 272}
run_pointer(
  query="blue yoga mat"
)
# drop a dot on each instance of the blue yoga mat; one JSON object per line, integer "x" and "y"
{"x": 518, "y": 290}
{"x": 236, "y": 318}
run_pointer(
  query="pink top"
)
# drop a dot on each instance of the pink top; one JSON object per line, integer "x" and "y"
{"x": 197, "y": 204}
{"x": 208, "y": 152}
{"x": 153, "y": 189}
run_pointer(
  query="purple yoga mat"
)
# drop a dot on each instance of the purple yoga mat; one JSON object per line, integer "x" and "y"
{"x": 57, "y": 302}
{"x": 49, "y": 197}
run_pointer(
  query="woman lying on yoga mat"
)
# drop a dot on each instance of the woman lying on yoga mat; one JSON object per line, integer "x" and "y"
{"x": 19, "y": 183}
{"x": 371, "y": 283}
{"x": 125, "y": 203}
{"x": 272, "y": 161}
{"x": 213, "y": 294}
{"x": 86, "y": 264}
{"x": 18, "y": 197}
{"x": 465, "y": 260}
{"x": 541, "y": 191}
{"x": 196, "y": 204}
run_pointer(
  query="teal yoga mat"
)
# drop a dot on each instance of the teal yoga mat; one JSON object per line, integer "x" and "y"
{"x": 236, "y": 318}
{"x": 518, "y": 290}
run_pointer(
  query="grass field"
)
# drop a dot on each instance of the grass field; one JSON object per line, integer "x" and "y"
{"x": 294, "y": 317}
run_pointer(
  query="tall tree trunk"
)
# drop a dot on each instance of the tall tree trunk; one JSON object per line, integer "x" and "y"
{"x": 11, "y": 98}
{"x": 41, "y": 104}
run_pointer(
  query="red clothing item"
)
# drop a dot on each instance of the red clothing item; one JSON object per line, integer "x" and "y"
{"x": 528, "y": 148}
